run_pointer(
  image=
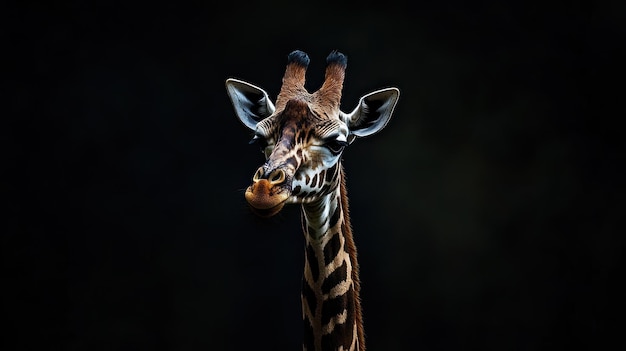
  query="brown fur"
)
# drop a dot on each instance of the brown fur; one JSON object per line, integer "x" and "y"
{"x": 329, "y": 95}
{"x": 326, "y": 100}
{"x": 293, "y": 86}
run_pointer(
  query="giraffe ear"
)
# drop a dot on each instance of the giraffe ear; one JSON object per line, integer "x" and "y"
{"x": 251, "y": 103}
{"x": 372, "y": 113}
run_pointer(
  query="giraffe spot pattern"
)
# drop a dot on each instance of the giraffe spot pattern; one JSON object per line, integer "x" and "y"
{"x": 332, "y": 247}
{"x": 334, "y": 315}
{"x": 338, "y": 276}
{"x": 341, "y": 333}
{"x": 331, "y": 173}
{"x": 322, "y": 177}
{"x": 308, "y": 296}
{"x": 335, "y": 217}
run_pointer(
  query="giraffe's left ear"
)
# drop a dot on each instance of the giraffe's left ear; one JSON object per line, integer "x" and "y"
{"x": 372, "y": 113}
{"x": 251, "y": 103}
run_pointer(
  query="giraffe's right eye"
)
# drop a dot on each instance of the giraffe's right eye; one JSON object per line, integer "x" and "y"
{"x": 336, "y": 146}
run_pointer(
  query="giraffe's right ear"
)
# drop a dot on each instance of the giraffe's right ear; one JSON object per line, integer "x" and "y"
{"x": 251, "y": 103}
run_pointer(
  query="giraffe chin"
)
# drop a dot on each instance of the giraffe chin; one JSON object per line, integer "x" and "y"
{"x": 264, "y": 200}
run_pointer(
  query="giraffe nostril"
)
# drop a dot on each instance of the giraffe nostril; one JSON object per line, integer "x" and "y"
{"x": 257, "y": 175}
{"x": 277, "y": 177}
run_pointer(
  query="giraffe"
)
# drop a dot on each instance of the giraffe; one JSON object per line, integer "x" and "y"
{"x": 303, "y": 136}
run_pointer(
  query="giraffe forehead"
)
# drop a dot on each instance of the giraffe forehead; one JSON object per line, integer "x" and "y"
{"x": 330, "y": 127}
{"x": 303, "y": 127}
{"x": 305, "y": 130}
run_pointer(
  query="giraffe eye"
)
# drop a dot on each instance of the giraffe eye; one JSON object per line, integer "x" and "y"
{"x": 335, "y": 146}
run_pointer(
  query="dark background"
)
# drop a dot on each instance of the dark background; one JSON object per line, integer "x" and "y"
{"x": 487, "y": 214}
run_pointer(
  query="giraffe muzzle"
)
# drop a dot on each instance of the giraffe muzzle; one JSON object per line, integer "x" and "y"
{"x": 268, "y": 193}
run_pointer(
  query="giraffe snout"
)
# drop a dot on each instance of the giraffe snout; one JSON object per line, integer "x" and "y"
{"x": 267, "y": 194}
{"x": 275, "y": 177}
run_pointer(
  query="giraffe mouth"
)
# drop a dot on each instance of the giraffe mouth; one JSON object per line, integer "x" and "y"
{"x": 264, "y": 199}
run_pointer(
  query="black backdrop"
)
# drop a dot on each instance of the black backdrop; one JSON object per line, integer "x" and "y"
{"x": 486, "y": 213}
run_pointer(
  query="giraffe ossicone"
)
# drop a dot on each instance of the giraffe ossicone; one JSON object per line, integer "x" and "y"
{"x": 303, "y": 136}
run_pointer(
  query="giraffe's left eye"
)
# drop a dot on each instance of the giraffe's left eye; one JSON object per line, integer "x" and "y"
{"x": 335, "y": 146}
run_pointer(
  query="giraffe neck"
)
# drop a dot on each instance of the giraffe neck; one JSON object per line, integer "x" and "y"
{"x": 330, "y": 286}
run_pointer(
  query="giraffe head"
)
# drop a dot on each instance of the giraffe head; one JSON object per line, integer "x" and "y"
{"x": 304, "y": 134}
